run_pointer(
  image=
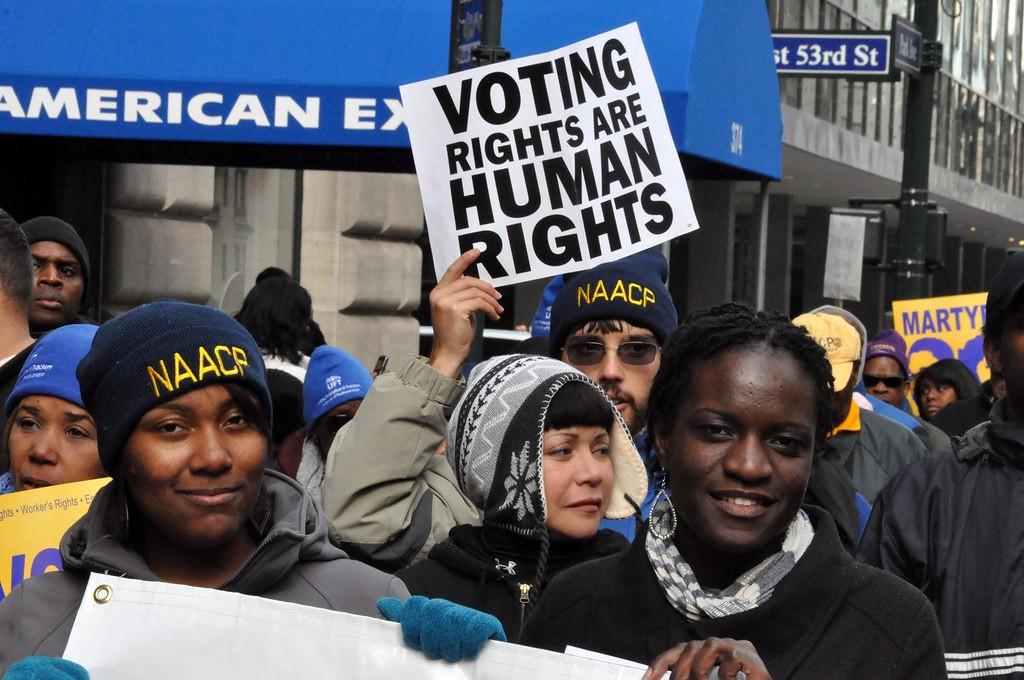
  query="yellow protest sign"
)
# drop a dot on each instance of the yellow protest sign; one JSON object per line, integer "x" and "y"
{"x": 943, "y": 328}
{"x": 32, "y": 524}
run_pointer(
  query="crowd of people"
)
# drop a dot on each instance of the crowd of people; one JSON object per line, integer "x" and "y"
{"x": 734, "y": 490}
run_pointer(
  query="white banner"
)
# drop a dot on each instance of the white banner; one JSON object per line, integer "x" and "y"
{"x": 550, "y": 163}
{"x": 844, "y": 257}
{"x": 128, "y": 629}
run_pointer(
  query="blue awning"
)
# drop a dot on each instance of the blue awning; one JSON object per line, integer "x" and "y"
{"x": 713, "y": 60}
{"x": 327, "y": 73}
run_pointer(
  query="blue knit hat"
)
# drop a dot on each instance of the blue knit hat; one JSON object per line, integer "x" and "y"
{"x": 631, "y": 289}
{"x": 158, "y": 352}
{"x": 50, "y": 368}
{"x": 541, "y": 326}
{"x": 333, "y": 377}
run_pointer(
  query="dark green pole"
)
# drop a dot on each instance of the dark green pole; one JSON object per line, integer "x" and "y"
{"x": 911, "y": 279}
{"x": 489, "y": 51}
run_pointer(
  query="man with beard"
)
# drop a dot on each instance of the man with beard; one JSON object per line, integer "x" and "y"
{"x": 61, "y": 265}
{"x": 610, "y": 323}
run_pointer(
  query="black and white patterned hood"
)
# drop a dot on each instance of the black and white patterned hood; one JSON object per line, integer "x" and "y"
{"x": 496, "y": 442}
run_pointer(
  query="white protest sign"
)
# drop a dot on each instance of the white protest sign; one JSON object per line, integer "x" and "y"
{"x": 551, "y": 163}
{"x": 844, "y": 259}
{"x": 128, "y": 629}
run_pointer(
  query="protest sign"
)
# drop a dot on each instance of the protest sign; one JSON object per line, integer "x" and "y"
{"x": 943, "y": 328}
{"x": 32, "y": 524}
{"x": 550, "y": 163}
{"x": 844, "y": 257}
{"x": 169, "y": 632}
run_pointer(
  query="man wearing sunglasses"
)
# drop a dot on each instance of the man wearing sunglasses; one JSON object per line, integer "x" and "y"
{"x": 886, "y": 373}
{"x": 610, "y": 322}
{"x": 887, "y": 378}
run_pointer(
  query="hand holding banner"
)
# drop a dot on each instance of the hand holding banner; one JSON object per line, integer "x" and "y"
{"x": 551, "y": 163}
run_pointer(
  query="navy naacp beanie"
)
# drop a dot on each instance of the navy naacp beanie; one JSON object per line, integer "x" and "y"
{"x": 631, "y": 289}
{"x": 54, "y": 229}
{"x": 155, "y": 353}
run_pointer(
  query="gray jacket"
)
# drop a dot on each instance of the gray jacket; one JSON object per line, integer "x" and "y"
{"x": 294, "y": 562}
{"x": 873, "y": 455}
{"x": 387, "y": 492}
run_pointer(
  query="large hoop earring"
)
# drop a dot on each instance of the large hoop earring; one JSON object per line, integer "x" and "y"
{"x": 663, "y": 493}
{"x": 127, "y": 519}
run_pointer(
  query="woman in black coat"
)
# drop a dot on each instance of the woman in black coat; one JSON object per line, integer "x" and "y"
{"x": 540, "y": 449}
{"x": 730, "y": 571}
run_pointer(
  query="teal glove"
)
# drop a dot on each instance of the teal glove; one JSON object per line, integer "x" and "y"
{"x": 45, "y": 668}
{"x": 442, "y": 629}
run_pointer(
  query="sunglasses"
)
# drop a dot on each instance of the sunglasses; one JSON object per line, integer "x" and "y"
{"x": 590, "y": 352}
{"x": 891, "y": 381}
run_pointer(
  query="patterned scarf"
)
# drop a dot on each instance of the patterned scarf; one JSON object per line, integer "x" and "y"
{"x": 311, "y": 470}
{"x": 751, "y": 589}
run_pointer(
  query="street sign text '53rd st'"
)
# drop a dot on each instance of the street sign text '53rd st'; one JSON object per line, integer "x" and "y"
{"x": 861, "y": 54}
{"x": 854, "y": 55}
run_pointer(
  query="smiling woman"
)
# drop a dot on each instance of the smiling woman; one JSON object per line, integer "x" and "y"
{"x": 190, "y": 501}
{"x": 731, "y": 571}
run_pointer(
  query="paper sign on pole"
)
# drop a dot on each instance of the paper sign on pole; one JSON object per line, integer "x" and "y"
{"x": 943, "y": 328}
{"x": 32, "y": 524}
{"x": 169, "y": 632}
{"x": 550, "y": 163}
{"x": 844, "y": 259}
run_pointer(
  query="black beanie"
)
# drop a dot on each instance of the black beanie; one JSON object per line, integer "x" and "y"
{"x": 631, "y": 289}
{"x": 155, "y": 353}
{"x": 48, "y": 228}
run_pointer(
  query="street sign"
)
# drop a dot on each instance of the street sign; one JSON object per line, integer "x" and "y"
{"x": 467, "y": 32}
{"x": 907, "y": 43}
{"x": 861, "y": 55}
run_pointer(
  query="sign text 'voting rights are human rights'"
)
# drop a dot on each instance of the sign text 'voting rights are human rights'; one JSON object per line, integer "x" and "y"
{"x": 550, "y": 163}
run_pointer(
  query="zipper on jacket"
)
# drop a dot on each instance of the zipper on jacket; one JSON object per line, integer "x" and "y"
{"x": 524, "y": 601}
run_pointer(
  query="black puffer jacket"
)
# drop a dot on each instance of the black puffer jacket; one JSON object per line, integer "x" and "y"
{"x": 493, "y": 571}
{"x": 952, "y": 524}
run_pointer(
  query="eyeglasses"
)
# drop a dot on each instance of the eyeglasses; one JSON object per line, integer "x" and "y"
{"x": 890, "y": 381}
{"x": 590, "y": 352}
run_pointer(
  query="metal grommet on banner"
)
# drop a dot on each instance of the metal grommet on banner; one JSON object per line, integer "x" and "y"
{"x": 102, "y": 594}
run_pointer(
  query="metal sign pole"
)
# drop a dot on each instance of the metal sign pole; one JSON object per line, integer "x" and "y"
{"x": 476, "y": 26}
{"x": 911, "y": 281}
{"x": 762, "y": 245}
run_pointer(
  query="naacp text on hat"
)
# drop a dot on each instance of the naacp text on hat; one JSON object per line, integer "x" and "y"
{"x": 830, "y": 343}
{"x": 631, "y": 292}
{"x": 222, "y": 361}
